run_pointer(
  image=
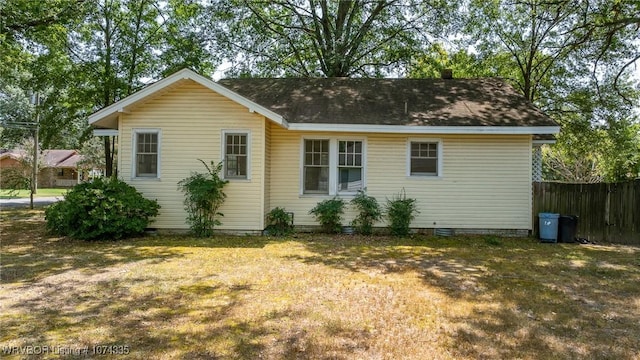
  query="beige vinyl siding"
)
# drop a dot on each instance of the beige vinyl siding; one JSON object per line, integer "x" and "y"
{"x": 485, "y": 181}
{"x": 191, "y": 119}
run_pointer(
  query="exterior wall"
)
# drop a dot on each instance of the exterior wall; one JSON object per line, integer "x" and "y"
{"x": 191, "y": 119}
{"x": 485, "y": 182}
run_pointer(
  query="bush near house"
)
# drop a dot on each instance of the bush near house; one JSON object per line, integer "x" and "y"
{"x": 368, "y": 212}
{"x": 101, "y": 209}
{"x": 280, "y": 222}
{"x": 401, "y": 211}
{"x": 329, "y": 214}
{"x": 204, "y": 196}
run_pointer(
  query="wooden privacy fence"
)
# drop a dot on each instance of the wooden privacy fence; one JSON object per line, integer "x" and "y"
{"x": 608, "y": 212}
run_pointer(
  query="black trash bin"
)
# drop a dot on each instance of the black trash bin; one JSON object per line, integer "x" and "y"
{"x": 567, "y": 227}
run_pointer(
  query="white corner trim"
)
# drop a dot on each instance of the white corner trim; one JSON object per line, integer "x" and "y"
{"x": 183, "y": 74}
{"x": 402, "y": 129}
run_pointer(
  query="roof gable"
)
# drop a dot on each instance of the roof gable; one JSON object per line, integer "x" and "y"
{"x": 107, "y": 117}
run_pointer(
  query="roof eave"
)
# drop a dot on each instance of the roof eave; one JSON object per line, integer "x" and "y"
{"x": 402, "y": 129}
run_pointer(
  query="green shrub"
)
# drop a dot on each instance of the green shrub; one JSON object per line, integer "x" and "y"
{"x": 368, "y": 212}
{"x": 280, "y": 222}
{"x": 400, "y": 212}
{"x": 329, "y": 214}
{"x": 101, "y": 209}
{"x": 203, "y": 198}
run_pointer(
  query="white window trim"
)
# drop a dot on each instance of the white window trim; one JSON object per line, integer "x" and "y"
{"x": 223, "y": 151}
{"x": 440, "y": 157}
{"x": 333, "y": 164}
{"x": 134, "y": 148}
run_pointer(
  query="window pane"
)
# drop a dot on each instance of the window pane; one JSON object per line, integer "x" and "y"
{"x": 324, "y": 159}
{"x": 232, "y": 165}
{"x": 236, "y": 156}
{"x": 424, "y": 158}
{"x": 146, "y": 155}
{"x": 242, "y": 166}
{"x": 316, "y": 179}
{"x": 424, "y": 166}
{"x": 349, "y": 179}
{"x": 146, "y": 165}
{"x": 316, "y": 152}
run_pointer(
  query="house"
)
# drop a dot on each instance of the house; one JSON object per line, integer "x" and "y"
{"x": 461, "y": 147}
{"x": 58, "y": 168}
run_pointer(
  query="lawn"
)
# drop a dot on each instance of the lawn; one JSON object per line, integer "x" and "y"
{"x": 316, "y": 297}
{"x": 8, "y": 194}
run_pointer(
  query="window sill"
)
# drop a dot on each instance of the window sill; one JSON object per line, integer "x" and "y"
{"x": 237, "y": 180}
{"x": 145, "y": 179}
{"x": 328, "y": 196}
{"x": 424, "y": 177}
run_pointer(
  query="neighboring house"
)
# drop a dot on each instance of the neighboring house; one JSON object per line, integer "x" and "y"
{"x": 462, "y": 148}
{"x": 58, "y": 168}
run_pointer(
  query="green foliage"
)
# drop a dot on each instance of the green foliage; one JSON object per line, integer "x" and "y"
{"x": 436, "y": 58}
{"x": 204, "y": 196}
{"x": 280, "y": 222}
{"x": 400, "y": 212}
{"x": 329, "y": 214}
{"x": 368, "y": 212}
{"x": 101, "y": 209}
{"x": 326, "y": 38}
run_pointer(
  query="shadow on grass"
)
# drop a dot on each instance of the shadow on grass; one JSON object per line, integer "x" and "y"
{"x": 30, "y": 253}
{"x": 530, "y": 300}
{"x": 137, "y": 293}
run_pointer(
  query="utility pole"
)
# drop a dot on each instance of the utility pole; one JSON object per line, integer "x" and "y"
{"x": 35, "y": 100}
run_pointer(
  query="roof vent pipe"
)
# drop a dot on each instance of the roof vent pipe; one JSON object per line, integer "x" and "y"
{"x": 446, "y": 74}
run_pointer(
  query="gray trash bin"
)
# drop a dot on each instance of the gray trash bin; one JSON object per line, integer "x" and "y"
{"x": 549, "y": 227}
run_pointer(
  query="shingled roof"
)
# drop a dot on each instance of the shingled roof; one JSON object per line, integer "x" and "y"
{"x": 409, "y": 102}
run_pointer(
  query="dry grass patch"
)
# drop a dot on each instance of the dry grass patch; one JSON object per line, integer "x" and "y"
{"x": 318, "y": 297}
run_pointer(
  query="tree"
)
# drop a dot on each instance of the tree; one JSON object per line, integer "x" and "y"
{"x": 326, "y": 38}
{"x": 33, "y": 59}
{"x": 559, "y": 54}
{"x": 437, "y": 58}
{"x": 85, "y": 55}
{"x": 535, "y": 33}
{"x": 120, "y": 43}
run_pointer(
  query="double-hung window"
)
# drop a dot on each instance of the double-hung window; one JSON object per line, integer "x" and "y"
{"x": 332, "y": 166}
{"x": 316, "y": 166}
{"x": 236, "y": 155}
{"x": 424, "y": 158}
{"x": 146, "y": 144}
{"x": 349, "y": 165}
